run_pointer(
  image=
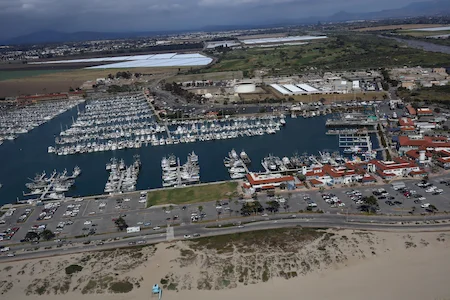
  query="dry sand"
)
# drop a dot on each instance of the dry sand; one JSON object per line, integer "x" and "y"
{"x": 335, "y": 264}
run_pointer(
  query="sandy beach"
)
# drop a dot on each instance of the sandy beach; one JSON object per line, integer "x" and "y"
{"x": 319, "y": 264}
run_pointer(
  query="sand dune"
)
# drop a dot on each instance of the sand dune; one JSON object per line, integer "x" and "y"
{"x": 328, "y": 264}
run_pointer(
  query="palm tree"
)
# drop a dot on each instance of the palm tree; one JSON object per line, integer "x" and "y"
{"x": 170, "y": 207}
{"x": 164, "y": 208}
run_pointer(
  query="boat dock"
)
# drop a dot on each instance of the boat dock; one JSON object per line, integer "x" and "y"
{"x": 51, "y": 188}
{"x": 237, "y": 164}
{"x": 175, "y": 174}
{"x": 347, "y": 131}
{"x": 122, "y": 178}
{"x": 351, "y": 123}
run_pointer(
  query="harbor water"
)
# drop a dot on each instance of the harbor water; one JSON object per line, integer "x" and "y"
{"x": 27, "y": 155}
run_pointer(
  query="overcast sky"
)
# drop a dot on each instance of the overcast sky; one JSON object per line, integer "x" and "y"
{"x": 25, "y": 16}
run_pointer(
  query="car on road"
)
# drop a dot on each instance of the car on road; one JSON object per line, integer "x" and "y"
{"x": 141, "y": 242}
{"x": 87, "y": 222}
{"x": 100, "y": 243}
{"x": 11, "y": 255}
{"x": 196, "y": 235}
{"x": 264, "y": 215}
{"x": 140, "y": 223}
{"x": 92, "y": 213}
{"x": 241, "y": 226}
{"x": 156, "y": 228}
{"x": 142, "y": 200}
{"x": 127, "y": 199}
{"x": 86, "y": 242}
{"x": 184, "y": 207}
{"x": 147, "y": 223}
{"x": 425, "y": 205}
{"x": 187, "y": 236}
{"x": 132, "y": 243}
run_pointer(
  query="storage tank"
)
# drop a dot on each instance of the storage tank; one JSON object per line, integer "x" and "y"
{"x": 245, "y": 87}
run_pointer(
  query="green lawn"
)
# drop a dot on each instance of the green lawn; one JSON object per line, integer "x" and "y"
{"x": 192, "y": 194}
{"x": 5, "y": 75}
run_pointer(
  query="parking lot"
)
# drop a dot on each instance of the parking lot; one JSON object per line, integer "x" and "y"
{"x": 92, "y": 216}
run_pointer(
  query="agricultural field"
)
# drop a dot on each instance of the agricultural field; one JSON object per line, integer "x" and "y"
{"x": 399, "y": 26}
{"x": 60, "y": 81}
{"x": 416, "y": 33}
{"x": 192, "y": 194}
{"x": 6, "y": 75}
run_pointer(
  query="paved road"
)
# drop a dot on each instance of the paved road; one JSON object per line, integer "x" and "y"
{"x": 254, "y": 223}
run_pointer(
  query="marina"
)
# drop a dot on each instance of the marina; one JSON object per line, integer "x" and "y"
{"x": 53, "y": 187}
{"x": 237, "y": 164}
{"x": 21, "y": 120}
{"x": 122, "y": 178}
{"x": 127, "y": 122}
{"x": 174, "y": 174}
{"x": 28, "y": 154}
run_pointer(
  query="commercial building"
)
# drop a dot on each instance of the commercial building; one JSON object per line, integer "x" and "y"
{"x": 398, "y": 167}
{"x": 268, "y": 181}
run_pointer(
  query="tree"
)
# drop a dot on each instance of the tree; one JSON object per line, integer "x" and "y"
{"x": 200, "y": 209}
{"x": 31, "y": 236}
{"x": 249, "y": 208}
{"x": 170, "y": 207}
{"x": 121, "y": 224}
{"x": 301, "y": 177}
{"x": 273, "y": 206}
{"x": 47, "y": 235}
{"x": 370, "y": 204}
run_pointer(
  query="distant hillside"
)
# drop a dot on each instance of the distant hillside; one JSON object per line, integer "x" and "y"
{"x": 426, "y": 8}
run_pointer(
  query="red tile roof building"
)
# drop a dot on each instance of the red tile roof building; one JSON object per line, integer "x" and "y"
{"x": 395, "y": 168}
{"x": 264, "y": 181}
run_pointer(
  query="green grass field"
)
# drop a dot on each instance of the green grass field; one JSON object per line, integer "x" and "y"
{"x": 5, "y": 75}
{"x": 192, "y": 194}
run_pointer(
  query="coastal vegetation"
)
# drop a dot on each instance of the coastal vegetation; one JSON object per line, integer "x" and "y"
{"x": 438, "y": 94}
{"x": 192, "y": 194}
{"x": 342, "y": 51}
{"x": 73, "y": 269}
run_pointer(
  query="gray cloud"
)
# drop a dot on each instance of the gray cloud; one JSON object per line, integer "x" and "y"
{"x": 25, "y": 16}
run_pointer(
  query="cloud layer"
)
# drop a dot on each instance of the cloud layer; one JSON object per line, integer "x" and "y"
{"x": 25, "y": 16}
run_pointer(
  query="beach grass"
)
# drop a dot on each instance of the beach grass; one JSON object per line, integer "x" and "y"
{"x": 280, "y": 238}
{"x": 192, "y": 194}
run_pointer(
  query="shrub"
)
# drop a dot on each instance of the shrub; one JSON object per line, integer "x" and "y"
{"x": 121, "y": 287}
{"x": 73, "y": 269}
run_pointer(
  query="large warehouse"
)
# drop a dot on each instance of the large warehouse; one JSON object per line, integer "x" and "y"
{"x": 294, "y": 89}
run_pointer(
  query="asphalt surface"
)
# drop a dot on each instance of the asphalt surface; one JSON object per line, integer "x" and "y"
{"x": 178, "y": 218}
{"x": 256, "y": 223}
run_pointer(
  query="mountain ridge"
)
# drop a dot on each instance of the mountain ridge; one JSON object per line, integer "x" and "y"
{"x": 425, "y": 8}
